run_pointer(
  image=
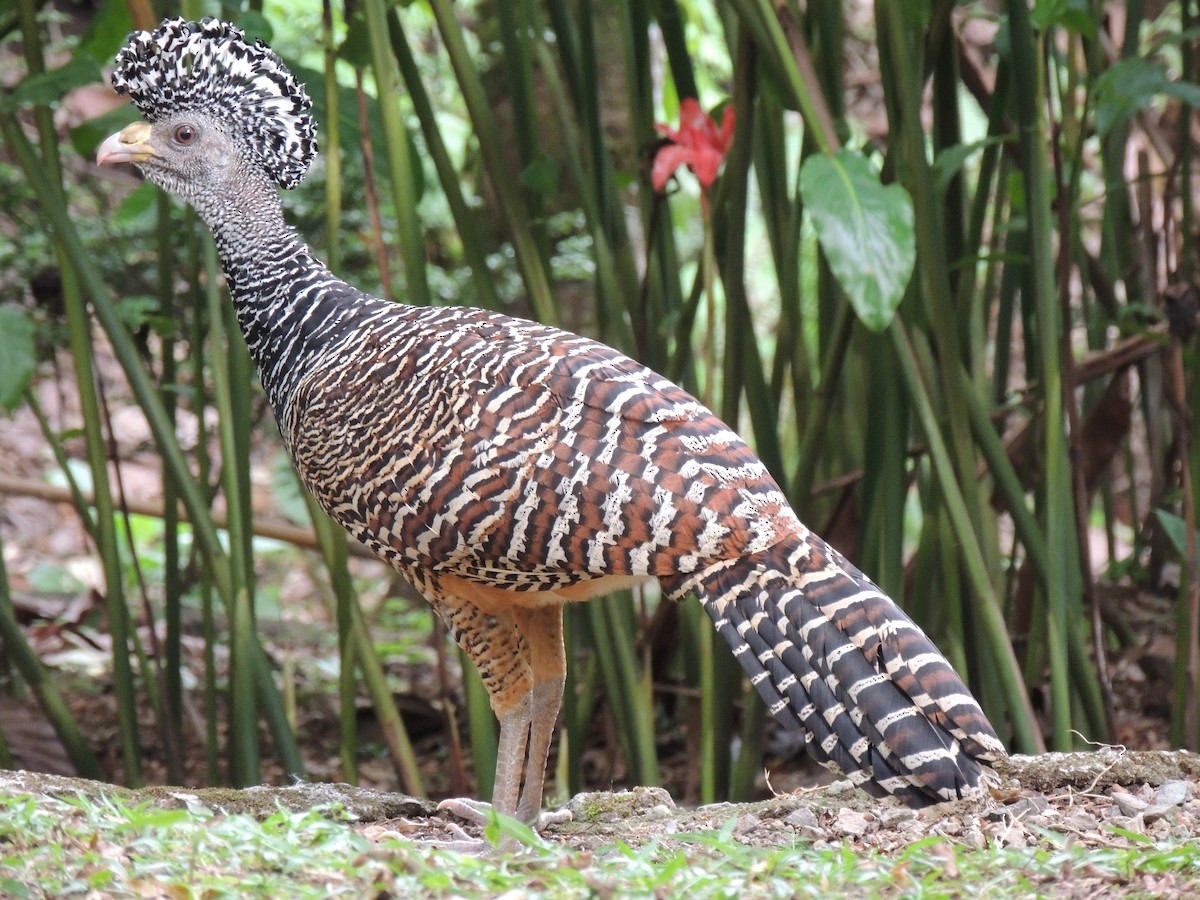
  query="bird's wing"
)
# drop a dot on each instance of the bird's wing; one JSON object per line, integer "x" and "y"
{"x": 559, "y": 461}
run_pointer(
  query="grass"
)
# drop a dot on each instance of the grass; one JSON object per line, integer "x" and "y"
{"x": 109, "y": 848}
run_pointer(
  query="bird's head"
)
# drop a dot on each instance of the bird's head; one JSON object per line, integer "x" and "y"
{"x": 219, "y": 111}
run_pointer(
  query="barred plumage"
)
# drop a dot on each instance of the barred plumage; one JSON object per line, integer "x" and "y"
{"x": 506, "y": 468}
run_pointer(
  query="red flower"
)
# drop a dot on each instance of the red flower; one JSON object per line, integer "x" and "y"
{"x": 698, "y": 144}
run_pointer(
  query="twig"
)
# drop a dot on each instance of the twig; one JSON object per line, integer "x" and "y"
{"x": 280, "y": 531}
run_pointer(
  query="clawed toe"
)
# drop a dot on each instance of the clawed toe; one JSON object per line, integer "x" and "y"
{"x": 479, "y": 813}
{"x": 473, "y": 811}
{"x": 548, "y": 817}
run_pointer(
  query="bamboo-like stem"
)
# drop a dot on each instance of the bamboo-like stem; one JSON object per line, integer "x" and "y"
{"x": 813, "y": 433}
{"x": 55, "y": 212}
{"x": 334, "y": 544}
{"x": 1008, "y": 671}
{"x": 1186, "y": 706}
{"x": 784, "y": 49}
{"x": 18, "y": 651}
{"x": 611, "y": 288}
{"x": 481, "y": 725}
{"x": 331, "y": 147}
{"x": 1057, "y": 508}
{"x": 627, "y": 694}
{"x": 107, "y": 543}
{"x": 466, "y": 220}
{"x": 516, "y": 55}
{"x": 395, "y": 735}
{"x": 366, "y": 147}
{"x": 172, "y": 661}
{"x": 399, "y": 159}
{"x": 207, "y": 585}
{"x": 512, "y": 206}
{"x": 334, "y": 551}
{"x": 243, "y": 730}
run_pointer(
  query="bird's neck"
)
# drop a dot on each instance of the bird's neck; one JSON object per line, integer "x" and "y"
{"x": 287, "y": 301}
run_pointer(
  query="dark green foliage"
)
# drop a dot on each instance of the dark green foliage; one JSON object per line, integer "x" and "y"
{"x": 949, "y": 453}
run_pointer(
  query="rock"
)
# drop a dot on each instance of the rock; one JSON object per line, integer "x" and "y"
{"x": 1158, "y": 811}
{"x": 893, "y": 816}
{"x": 853, "y": 823}
{"x": 1082, "y": 820}
{"x": 1129, "y": 804}
{"x": 801, "y": 818}
{"x": 600, "y": 806}
{"x": 747, "y": 823}
{"x": 973, "y": 837}
{"x": 1173, "y": 793}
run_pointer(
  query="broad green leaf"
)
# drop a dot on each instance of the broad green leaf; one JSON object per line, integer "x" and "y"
{"x": 541, "y": 175}
{"x": 106, "y": 33}
{"x": 256, "y": 26}
{"x": 49, "y": 87}
{"x": 137, "y": 208}
{"x": 17, "y": 355}
{"x": 1130, "y": 85}
{"x": 951, "y": 160}
{"x": 86, "y": 137}
{"x": 356, "y": 48}
{"x": 1175, "y": 530}
{"x": 1073, "y": 15}
{"x": 865, "y": 229}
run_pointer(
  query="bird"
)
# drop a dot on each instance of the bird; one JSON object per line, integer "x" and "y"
{"x": 506, "y": 468}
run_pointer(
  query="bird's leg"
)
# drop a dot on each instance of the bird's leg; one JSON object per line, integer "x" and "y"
{"x": 542, "y": 629}
{"x": 510, "y": 766}
{"x": 510, "y": 756}
{"x": 527, "y": 717}
{"x": 488, "y": 634}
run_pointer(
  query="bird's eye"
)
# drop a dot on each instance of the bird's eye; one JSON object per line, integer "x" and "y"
{"x": 186, "y": 134}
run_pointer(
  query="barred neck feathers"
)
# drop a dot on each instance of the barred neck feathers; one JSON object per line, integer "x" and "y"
{"x": 290, "y": 307}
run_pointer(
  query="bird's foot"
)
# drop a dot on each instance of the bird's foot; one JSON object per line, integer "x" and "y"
{"x": 548, "y": 817}
{"x": 461, "y": 842}
{"x": 473, "y": 811}
{"x": 478, "y": 812}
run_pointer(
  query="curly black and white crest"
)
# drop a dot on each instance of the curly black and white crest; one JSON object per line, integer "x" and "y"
{"x": 209, "y": 66}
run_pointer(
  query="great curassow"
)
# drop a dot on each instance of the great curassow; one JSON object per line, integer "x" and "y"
{"x": 506, "y": 468}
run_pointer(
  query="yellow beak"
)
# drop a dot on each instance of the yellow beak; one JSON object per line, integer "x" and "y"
{"x": 131, "y": 145}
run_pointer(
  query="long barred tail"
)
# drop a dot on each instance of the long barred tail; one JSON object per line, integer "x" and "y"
{"x": 828, "y": 651}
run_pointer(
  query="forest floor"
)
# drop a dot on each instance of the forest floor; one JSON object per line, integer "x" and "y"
{"x": 1129, "y": 796}
{"x": 1111, "y": 823}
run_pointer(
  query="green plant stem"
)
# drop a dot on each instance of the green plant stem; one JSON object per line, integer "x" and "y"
{"x": 466, "y": 219}
{"x": 627, "y": 694}
{"x": 335, "y": 551}
{"x": 1008, "y": 671}
{"x": 243, "y": 732}
{"x": 53, "y": 208}
{"x": 16, "y": 649}
{"x": 394, "y": 732}
{"x": 172, "y": 661}
{"x": 613, "y": 280}
{"x": 529, "y": 260}
{"x": 81, "y": 503}
{"x": 331, "y": 147}
{"x": 79, "y": 334}
{"x": 785, "y": 53}
{"x": 1057, "y": 505}
{"x": 812, "y": 435}
{"x": 481, "y": 726}
{"x": 399, "y": 157}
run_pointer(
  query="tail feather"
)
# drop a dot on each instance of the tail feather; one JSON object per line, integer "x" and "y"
{"x": 830, "y": 652}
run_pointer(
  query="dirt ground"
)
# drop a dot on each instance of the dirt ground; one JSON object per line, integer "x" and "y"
{"x": 1100, "y": 799}
{"x": 1136, "y": 788}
